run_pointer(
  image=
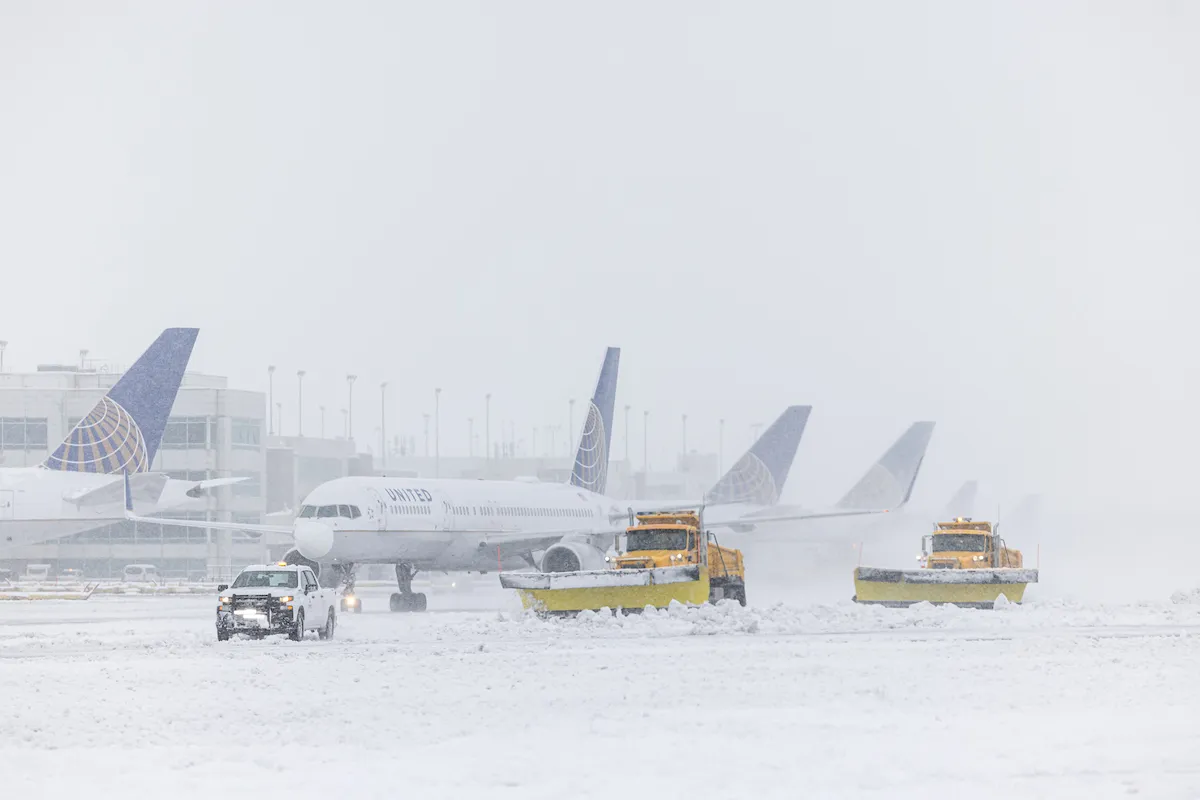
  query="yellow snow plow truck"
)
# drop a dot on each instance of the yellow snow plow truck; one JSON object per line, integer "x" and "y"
{"x": 963, "y": 562}
{"x": 662, "y": 556}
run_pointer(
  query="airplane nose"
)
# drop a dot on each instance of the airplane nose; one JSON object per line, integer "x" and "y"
{"x": 313, "y": 539}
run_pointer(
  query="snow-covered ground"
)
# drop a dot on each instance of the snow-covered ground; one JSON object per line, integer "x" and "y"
{"x": 133, "y": 697}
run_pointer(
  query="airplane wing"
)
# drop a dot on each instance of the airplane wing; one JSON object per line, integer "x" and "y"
{"x": 713, "y": 519}
{"x": 144, "y": 487}
{"x": 794, "y": 517}
{"x": 212, "y": 483}
{"x": 214, "y": 525}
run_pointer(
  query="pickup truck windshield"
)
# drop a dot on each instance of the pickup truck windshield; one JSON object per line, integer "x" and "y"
{"x": 959, "y": 543}
{"x": 266, "y": 579}
{"x": 656, "y": 539}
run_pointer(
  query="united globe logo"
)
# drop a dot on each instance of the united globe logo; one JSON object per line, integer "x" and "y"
{"x": 748, "y": 482}
{"x": 106, "y": 441}
{"x": 591, "y": 462}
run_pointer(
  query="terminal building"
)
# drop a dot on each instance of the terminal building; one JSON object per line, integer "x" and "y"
{"x": 219, "y": 432}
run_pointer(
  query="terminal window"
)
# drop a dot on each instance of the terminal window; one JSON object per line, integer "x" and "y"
{"x": 22, "y": 433}
{"x": 186, "y": 433}
{"x": 246, "y": 432}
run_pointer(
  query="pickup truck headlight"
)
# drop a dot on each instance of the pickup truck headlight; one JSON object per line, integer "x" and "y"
{"x": 226, "y": 601}
{"x": 285, "y": 599}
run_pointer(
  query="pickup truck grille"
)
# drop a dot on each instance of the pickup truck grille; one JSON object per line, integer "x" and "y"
{"x": 258, "y": 601}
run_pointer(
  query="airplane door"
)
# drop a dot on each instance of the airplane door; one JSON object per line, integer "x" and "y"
{"x": 374, "y": 515}
{"x": 7, "y": 498}
{"x": 448, "y": 516}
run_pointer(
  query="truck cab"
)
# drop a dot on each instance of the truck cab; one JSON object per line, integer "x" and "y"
{"x": 964, "y": 543}
{"x": 276, "y": 598}
{"x": 661, "y": 540}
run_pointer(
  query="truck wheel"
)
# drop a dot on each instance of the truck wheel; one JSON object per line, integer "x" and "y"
{"x": 741, "y": 595}
{"x": 326, "y": 633}
{"x": 222, "y": 635}
{"x": 297, "y": 631}
{"x": 419, "y": 602}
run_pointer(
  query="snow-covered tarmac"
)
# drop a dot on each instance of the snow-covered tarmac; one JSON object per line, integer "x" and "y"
{"x": 133, "y": 697}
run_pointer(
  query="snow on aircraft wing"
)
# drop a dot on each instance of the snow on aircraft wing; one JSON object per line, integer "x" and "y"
{"x": 144, "y": 486}
{"x": 214, "y": 525}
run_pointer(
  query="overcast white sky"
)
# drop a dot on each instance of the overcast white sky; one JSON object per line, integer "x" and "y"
{"x": 978, "y": 213}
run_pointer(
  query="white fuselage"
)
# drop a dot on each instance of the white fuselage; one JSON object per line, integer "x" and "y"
{"x": 445, "y": 524}
{"x": 35, "y": 503}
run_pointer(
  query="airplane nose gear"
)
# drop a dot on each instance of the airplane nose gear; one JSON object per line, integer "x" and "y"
{"x": 406, "y": 599}
{"x": 350, "y": 601}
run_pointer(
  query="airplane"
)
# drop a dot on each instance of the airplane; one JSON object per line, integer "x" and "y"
{"x": 459, "y": 525}
{"x": 886, "y": 486}
{"x": 79, "y": 486}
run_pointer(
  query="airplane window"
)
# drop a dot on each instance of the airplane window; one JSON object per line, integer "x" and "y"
{"x": 308, "y": 511}
{"x": 327, "y": 511}
{"x": 354, "y": 512}
{"x": 344, "y": 511}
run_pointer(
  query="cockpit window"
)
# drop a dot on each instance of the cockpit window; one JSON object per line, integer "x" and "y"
{"x": 327, "y": 511}
{"x": 308, "y": 511}
{"x": 354, "y": 512}
{"x": 344, "y": 511}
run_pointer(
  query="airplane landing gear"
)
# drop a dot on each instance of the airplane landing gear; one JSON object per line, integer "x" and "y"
{"x": 350, "y": 601}
{"x": 406, "y": 599}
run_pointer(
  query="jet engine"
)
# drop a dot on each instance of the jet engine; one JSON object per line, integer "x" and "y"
{"x": 572, "y": 557}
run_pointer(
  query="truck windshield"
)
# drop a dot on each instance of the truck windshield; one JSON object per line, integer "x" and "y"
{"x": 959, "y": 543}
{"x": 656, "y": 539}
{"x": 266, "y": 579}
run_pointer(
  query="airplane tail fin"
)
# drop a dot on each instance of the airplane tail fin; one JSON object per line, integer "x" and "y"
{"x": 962, "y": 504}
{"x": 122, "y": 432}
{"x": 759, "y": 475}
{"x": 591, "y": 459}
{"x": 888, "y": 484}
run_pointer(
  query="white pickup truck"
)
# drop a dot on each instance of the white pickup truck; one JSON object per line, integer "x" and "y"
{"x": 276, "y": 598}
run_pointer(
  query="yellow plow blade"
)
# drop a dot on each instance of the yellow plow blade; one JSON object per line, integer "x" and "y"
{"x": 559, "y": 592}
{"x": 971, "y": 588}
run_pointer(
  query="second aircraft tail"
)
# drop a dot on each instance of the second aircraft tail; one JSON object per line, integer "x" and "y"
{"x": 888, "y": 484}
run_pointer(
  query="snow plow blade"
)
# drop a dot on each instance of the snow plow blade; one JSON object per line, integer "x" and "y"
{"x": 970, "y": 588}
{"x": 564, "y": 592}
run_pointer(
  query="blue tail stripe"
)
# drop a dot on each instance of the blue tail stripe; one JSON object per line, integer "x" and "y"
{"x": 122, "y": 432}
{"x": 591, "y": 459}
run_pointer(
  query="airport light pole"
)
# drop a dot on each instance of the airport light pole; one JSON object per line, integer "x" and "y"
{"x": 685, "y": 441}
{"x": 383, "y": 423}
{"x": 3, "y": 346}
{"x": 437, "y": 433}
{"x": 645, "y": 442}
{"x": 626, "y": 434}
{"x": 271, "y": 398}
{"x": 350, "y": 379}
{"x": 721, "y": 446}
{"x": 300, "y": 403}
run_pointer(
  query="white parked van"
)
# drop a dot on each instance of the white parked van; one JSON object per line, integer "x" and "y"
{"x": 37, "y": 573}
{"x": 140, "y": 573}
